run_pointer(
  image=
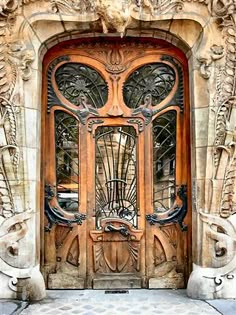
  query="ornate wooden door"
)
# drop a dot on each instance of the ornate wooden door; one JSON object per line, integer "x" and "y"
{"x": 115, "y": 164}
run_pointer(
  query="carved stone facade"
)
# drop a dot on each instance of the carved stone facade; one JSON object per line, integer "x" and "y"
{"x": 205, "y": 30}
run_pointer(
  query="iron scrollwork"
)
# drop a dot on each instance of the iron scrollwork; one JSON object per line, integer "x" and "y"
{"x": 175, "y": 215}
{"x": 81, "y": 85}
{"x": 55, "y": 214}
{"x": 149, "y": 85}
{"x": 94, "y": 122}
{"x": 145, "y": 110}
{"x": 178, "y": 98}
{"x": 136, "y": 122}
{"x": 116, "y": 178}
{"x": 155, "y": 79}
{"x": 52, "y": 97}
{"x": 77, "y": 82}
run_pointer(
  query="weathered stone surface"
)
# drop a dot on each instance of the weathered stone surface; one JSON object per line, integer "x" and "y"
{"x": 27, "y": 30}
{"x": 65, "y": 281}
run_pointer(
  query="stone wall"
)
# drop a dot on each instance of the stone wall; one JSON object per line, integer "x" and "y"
{"x": 206, "y": 31}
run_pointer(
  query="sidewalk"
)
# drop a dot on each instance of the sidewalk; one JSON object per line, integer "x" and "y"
{"x": 124, "y": 302}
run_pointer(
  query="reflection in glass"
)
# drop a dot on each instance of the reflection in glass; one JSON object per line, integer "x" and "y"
{"x": 67, "y": 163}
{"x": 116, "y": 174}
{"x": 164, "y": 159}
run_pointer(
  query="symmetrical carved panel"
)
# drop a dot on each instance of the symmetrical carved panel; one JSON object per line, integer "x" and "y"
{"x": 116, "y": 247}
{"x": 15, "y": 60}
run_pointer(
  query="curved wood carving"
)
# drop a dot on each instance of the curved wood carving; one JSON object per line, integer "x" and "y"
{"x": 116, "y": 247}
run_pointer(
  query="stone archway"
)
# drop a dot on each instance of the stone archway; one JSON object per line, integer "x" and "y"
{"x": 23, "y": 42}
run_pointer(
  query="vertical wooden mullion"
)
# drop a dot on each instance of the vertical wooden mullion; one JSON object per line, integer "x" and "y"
{"x": 141, "y": 195}
{"x": 148, "y": 167}
{"x": 82, "y": 229}
{"x": 50, "y": 179}
{"x": 91, "y": 186}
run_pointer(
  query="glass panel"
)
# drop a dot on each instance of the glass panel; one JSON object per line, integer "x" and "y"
{"x": 164, "y": 160}
{"x": 81, "y": 85}
{"x": 157, "y": 79}
{"x": 116, "y": 174}
{"x": 67, "y": 162}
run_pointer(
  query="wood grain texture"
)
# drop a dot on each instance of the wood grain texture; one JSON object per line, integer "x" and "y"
{"x": 148, "y": 252}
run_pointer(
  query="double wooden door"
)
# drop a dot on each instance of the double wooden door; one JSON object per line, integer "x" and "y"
{"x": 115, "y": 166}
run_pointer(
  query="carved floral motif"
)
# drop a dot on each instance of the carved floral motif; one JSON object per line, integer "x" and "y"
{"x": 72, "y": 6}
{"x": 15, "y": 62}
{"x": 219, "y": 278}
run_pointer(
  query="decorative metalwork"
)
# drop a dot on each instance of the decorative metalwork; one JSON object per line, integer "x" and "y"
{"x": 55, "y": 215}
{"x": 83, "y": 101}
{"x": 174, "y": 215}
{"x": 52, "y": 98}
{"x": 164, "y": 160}
{"x": 81, "y": 85}
{"x": 136, "y": 122}
{"x": 145, "y": 110}
{"x": 94, "y": 122}
{"x": 121, "y": 229}
{"x": 178, "y": 98}
{"x": 116, "y": 174}
{"x": 67, "y": 162}
{"x": 155, "y": 79}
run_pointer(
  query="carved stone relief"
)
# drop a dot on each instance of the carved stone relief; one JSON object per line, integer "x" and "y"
{"x": 218, "y": 224}
{"x": 15, "y": 61}
{"x": 218, "y": 219}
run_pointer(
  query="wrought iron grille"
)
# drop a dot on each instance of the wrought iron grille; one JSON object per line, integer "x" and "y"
{"x": 67, "y": 161}
{"x": 116, "y": 174}
{"x": 164, "y": 159}
{"x": 80, "y": 84}
{"x": 155, "y": 79}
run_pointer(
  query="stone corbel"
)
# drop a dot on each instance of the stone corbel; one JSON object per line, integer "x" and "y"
{"x": 12, "y": 230}
{"x": 220, "y": 282}
{"x": 23, "y": 57}
{"x": 216, "y": 53}
{"x": 114, "y": 17}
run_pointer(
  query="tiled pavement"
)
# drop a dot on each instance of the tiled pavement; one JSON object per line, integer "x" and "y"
{"x": 133, "y": 302}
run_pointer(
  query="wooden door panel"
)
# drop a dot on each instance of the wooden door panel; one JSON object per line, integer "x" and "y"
{"x": 168, "y": 265}
{"x": 67, "y": 274}
{"x": 116, "y": 255}
{"x": 116, "y": 149}
{"x": 116, "y": 247}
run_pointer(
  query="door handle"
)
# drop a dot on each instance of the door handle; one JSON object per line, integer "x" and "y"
{"x": 122, "y": 229}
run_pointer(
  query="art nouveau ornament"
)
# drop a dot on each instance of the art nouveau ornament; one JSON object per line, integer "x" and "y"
{"x": 214, "y": 274}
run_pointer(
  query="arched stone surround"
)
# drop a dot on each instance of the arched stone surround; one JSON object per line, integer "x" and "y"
{"x": 205, "y": 31}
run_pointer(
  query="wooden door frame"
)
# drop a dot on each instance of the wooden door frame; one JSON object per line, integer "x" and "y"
{"x": 60, "y": 50}
{"x": 111, "y": 122}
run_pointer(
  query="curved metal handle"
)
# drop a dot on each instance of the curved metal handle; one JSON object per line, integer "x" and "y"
{"x": 122, "y": 229}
